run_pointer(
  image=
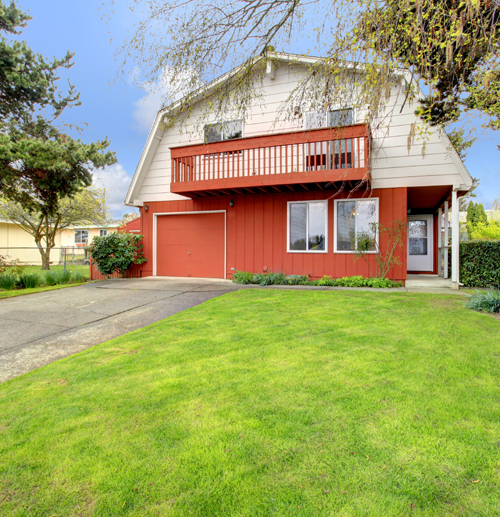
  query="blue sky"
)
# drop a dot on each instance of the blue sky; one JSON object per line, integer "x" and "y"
{"x": 124, "y": 112}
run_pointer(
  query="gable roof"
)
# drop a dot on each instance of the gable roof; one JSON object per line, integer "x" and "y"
{"x": 154, "y": 137}
{"x": 155, "y": 132}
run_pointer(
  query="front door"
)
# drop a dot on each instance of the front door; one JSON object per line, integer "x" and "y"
{"x": 420, "y": 243}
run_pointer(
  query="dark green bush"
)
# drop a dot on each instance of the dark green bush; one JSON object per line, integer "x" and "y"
{"x": 116, "y": 252}
{"x": 29, "y": 280}
{"x": 77, "y": 277}
{"x": 480, "y": 263}
{"x": 269, "y": 278}
{"x": 7, "y": 282}
{"x": 488, "y": 301}
{"x": 242, "y": 277}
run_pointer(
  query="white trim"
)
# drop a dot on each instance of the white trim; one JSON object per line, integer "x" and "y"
{"x": 440, "y": 242}
{"x": 455, "y": 237}
{"x": 430, "y": 243}
{"x": 288, "y": 250}
{"x": 155, "y": 233}
{"x": 336, "y": 201}
{"x": 446, "y": 239}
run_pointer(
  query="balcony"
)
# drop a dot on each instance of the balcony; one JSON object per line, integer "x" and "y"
{"x": 319, "y": 159}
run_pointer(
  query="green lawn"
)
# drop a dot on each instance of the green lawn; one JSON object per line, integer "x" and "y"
{"x": 69, "y": 267}
{"x": 23, "y": 292}
{"x": 266, "y": 403}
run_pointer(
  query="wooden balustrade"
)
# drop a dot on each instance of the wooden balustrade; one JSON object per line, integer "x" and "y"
{"x": 322, "y": 155}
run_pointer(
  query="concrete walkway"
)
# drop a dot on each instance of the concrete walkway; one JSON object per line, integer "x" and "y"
{"x": 38, "y": 329}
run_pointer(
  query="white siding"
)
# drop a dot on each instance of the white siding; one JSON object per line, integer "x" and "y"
{"x": 393, "y": 164}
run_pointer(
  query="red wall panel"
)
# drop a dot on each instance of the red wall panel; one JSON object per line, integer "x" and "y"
{"x": 257, "y": 238}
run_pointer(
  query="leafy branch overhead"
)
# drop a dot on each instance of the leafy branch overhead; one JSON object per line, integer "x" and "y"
{"x": 445, "y": 49}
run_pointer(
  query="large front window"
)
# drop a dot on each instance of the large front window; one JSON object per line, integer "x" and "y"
{"x": 307, "y": 221}
{"x": 354, "y": 220}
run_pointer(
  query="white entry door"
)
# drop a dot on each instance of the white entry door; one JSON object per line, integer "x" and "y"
{"x": 420, "y": 243}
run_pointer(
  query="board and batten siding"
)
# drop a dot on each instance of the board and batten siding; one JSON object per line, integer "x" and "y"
{"x": 256, "y": 233}
{"x": 393, "y": 163}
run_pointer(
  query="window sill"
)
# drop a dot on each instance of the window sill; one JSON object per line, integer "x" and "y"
{"x": 353, "y": 252}
{"x": 308, "y": 251}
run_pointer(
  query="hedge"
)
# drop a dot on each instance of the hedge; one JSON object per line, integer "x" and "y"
{"x": 480, "y": 263}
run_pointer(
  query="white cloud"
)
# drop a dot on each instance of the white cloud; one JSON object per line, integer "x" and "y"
{"x": 116, "y": 181}
{"x": 168, "y": 88}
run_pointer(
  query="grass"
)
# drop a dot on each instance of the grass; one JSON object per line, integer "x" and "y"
{"x": 22, "y": 292}
{"x": 69, "y": 267}
{"x": 266, "y": 403}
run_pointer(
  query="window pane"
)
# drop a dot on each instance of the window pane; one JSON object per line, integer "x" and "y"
{"x": 315, "y": 120}
{"x": 418, "y": 246}
{"x": 317, "y": 228}
{"x": 346, "y": 225}
{"x": 366, "y": 213}
{"x": 417, "y": 229}
{"x": 298, "y": 226}
{"x": 232, "y": 129}
{"x": 213, "y": 133}
{"x": 340, "y": 117}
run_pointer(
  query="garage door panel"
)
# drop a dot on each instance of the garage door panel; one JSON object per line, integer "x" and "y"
{"x": 191, "y": 245}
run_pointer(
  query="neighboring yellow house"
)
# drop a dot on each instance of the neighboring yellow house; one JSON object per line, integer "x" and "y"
{"x": 15, "y": 243}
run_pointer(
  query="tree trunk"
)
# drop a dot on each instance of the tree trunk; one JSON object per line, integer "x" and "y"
{"x": 45, "y": 254}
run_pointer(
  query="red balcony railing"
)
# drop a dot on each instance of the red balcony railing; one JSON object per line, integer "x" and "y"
{"x": 316, "y": 156}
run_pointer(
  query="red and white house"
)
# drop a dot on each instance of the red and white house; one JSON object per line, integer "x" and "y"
{"x": 265, "y": 194}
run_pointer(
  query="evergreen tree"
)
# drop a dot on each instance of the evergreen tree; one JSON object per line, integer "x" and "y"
{"x": 39, "y": 163}
{"x": 41, "y": 166}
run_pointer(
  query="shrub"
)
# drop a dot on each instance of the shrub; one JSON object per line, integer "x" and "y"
{"x": 51, "y": 278}
{"x": 7, "y": 282}
{"x": 298, "y": 280}
{"x": 116, "y": 252}
{"x": 325, "y": 281}
{"x": 14, "y": 266}
{"x": 269, "y": 278}
{"x": 63, "y": 277}
{"x": 242, "y": 277}
{"x": 486, "y": 232}
{"x": 57, "y": 277}
{"x": 488, "y": 301}
{"x": 245, "y": 277}
{"x": 29, "y": 280}
{"x": 480, "y": 263}
{"x": 77, "y": 277}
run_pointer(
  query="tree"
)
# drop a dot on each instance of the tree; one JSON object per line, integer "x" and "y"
{"x": 128, "y": 217}
{"x": 40, "y": 165}
{"x": 447, "y": 48}
{"x": 475, "y": 214}
{"x": 85, "y": 207}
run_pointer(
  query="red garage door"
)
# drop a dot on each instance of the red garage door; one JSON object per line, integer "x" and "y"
{"x": 191, "y": 245}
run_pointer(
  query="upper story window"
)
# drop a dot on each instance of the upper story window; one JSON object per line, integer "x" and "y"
{"x": 103, "y": 233}
{"x": 354, "y": 219}
{"x": 228, "y": 130}
{"x": 81, "y": 236}
{"x": 335, "y": 118}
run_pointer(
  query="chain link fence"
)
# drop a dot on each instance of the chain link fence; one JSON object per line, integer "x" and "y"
{"x": 30, "y": 256}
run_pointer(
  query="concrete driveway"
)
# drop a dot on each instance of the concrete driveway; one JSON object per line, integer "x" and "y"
{"x": 40, "y": 328}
